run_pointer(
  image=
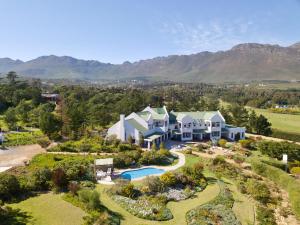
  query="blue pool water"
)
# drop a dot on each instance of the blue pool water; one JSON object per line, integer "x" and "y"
{"x": 132, "y": 174}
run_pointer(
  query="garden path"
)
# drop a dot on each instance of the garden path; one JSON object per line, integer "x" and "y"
{"x": 178, "y": 209}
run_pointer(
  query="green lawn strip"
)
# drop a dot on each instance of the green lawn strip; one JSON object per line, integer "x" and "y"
{"x": 244, "y": 207}
{"x": 283, "y": 122}
{"x": 51, "y": 209}
{"x": 178, "y": 209}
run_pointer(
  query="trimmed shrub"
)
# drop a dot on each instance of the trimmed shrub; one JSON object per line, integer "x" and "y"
{"x": 222, "y": 143}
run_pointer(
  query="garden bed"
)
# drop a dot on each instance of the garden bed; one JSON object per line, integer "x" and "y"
{"x": 217, "y": 211}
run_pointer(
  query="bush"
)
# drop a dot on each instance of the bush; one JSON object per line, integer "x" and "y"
{"x": 91, "y": 199}
{"x": 238, "y": 158}
{"x": 9, "y": 187}
{"x": 247, "y": 143}
{"x": 258, "y": 191}
{"x": 41, "y": 179}
{"x": 295, "y": 171}
{"x": 44, "y": 142}
{"x": 124, "y": 188}
{"x": 283, "y": 180}
{"x": 222, "y": 143}
{"x": 153, "y": 184}
{"x": 277, "y": 149}
{"x": 168, "y": 179}
{"x": 265, "y": 216}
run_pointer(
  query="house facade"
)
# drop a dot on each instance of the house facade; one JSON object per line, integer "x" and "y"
{"x": 155, "y": 125}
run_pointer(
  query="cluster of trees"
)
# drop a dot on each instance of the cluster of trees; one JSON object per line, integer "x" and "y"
{"x": 83, "y": 109}
{"x": 260, "y": 98}
{"x": 240, "y": 116}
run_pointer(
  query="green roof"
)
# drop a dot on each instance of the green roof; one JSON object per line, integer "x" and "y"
{"x": 144, "y": 115}
{"x": 159, "y": 110}
{"x": 137, "y": 125}
{"x": 159, "y": 113}
{"x": 195, "y": 115}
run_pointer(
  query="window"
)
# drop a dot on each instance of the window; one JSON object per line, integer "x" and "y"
{"x": 186, "y": 135}
{"x": 231, "y": 135}
{"x": 217, "y": 124}
{"x": 176, "y": 127}
{"x": 166, "y": 123}
{"x": 180, "y": 125}
{"x": 157, "y": 124}
{"x": 215, "y": 133}
{"x": 184, "y": 125}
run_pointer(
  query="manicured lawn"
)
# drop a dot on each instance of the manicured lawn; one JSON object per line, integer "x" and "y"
{"x": 283, "y": 122}
{"x": 50, "y": 209}
{"x": 178, "y": 209}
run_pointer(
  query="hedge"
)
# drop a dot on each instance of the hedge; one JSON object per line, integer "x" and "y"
{"x": 284, "y": 180}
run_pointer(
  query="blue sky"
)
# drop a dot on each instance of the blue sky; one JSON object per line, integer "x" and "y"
{"x": 119, "y": 30}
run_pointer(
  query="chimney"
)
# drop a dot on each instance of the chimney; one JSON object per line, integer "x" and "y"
{"x": 122, "y": 128}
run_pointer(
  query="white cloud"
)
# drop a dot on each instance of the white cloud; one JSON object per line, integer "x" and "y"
{"x": 211, "y": 36}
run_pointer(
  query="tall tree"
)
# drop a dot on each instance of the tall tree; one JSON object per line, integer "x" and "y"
{"x": 11, "y": 77}
{"x": 50, "y": 124}
{"x": 251, "y": 127}
{"x": 263, "y": 126}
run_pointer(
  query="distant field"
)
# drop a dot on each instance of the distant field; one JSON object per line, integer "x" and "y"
{"x": 284, "y": 122}
{"x": 50, "y": 209}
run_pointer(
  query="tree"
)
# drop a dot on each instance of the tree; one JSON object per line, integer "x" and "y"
{"x": 11, "y": 77}
{"x": 263, "y": 126}
{"x": 23, "y": 109}
{"x": 11, "y": 119}
{"x": 239, "y": 115}
{"x": 49, "y": 124}
{"x": 251, "y": 127}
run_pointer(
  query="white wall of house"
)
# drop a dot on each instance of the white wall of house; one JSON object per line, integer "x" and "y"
{"x": 234, "y": 131}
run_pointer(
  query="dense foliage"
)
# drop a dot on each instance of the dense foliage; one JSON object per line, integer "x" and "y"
{"x": 217, "y": 211}
{"x": 277, "y": 149}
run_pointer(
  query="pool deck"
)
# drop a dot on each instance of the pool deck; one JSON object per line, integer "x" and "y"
{"x": 180, "y": 163}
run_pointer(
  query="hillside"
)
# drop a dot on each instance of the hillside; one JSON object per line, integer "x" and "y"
{"x": 244, "y": 62}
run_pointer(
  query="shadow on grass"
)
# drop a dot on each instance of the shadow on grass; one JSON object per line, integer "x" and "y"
{"x": 117, "y": 217}
{"x": 12, "y": 216}
{"x": 211, "y": 180}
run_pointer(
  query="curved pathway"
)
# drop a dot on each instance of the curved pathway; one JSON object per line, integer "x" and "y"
{"x": 178, "y": 209}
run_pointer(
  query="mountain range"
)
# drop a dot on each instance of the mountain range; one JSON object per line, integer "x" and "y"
{"x": 243, "y": 62}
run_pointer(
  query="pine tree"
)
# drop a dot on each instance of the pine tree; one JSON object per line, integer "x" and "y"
{"x": 251, "y": 127}
{"x": 263, "y": 126}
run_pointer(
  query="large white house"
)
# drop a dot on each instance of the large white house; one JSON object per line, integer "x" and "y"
{"x": 156, "y": 125}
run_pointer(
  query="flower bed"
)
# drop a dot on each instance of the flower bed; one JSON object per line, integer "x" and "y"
{"x": 177, "y": 194}
{"x": 217, "y": 211}
{"x": 144, "y": 207}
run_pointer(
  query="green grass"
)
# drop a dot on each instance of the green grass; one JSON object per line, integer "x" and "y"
{"x": 284, "y": 122}
{"x": 178, "y": 209}
{"x": 51, "y": 209}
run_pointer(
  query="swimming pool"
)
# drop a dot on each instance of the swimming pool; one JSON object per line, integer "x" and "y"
{"x": 133, "y": 174}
